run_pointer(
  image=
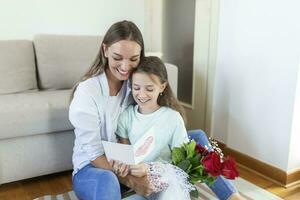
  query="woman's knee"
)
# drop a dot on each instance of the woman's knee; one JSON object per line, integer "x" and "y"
{"x": 98, "y": 184}
{"x": 108, "y": 186}
{"x": 109, "y": 179}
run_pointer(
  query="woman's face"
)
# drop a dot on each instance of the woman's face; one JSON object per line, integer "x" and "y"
{"x": 123, "y": 56}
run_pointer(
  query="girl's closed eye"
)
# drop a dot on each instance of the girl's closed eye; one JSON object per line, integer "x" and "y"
{"x": 150, "y": 88}
{"x": 134, "y": 59}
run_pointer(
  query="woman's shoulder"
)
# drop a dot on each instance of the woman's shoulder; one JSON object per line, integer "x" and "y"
{"x": 91, "y": 85}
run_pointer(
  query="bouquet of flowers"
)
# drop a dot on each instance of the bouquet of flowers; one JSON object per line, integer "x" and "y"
{"x": 202, "y": 165}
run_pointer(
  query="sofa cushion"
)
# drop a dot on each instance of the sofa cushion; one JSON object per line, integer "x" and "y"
{"x": 66, "y": 57}
{"x": 17, "y": 66}
{"x": 34, "y": 113}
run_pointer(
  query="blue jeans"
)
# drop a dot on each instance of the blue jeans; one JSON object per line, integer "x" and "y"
{"x": 223, "y": 188}
{"x": 91, "y": 183}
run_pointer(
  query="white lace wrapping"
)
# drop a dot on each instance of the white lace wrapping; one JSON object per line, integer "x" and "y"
{"x": 170, "y": 181}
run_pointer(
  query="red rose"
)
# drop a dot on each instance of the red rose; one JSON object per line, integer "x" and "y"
{"x": 200, "y": 149}
{"x": 229, "y": 168}
{"x": 212, "y": 163}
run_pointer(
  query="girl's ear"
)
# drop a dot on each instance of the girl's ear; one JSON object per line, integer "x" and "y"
{"x": 163, "y": 86}
{"x": 105, "y": 49}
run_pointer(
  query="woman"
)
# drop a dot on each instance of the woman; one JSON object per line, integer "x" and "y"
{"x": 97, "y": 102}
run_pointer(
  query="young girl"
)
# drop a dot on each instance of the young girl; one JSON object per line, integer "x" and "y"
{"x": 157, "y": 117}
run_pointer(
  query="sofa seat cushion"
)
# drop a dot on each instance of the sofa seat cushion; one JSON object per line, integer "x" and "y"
{"x": 17, "y": 66}
{"x": 68, "y": 57}
{"x": 34, "y": 113}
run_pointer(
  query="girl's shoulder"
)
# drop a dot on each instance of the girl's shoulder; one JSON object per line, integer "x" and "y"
{"x": 169, "y": 111}
{"x": 130, "y": 109}
{"x": 172, "y": 114}
{"x": 127, "y": 115}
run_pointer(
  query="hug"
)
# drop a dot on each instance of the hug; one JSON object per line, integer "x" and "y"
{"x": 121, "y": 97}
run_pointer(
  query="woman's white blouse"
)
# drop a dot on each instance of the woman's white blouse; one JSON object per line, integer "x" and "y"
{"x": 94, "y": 115}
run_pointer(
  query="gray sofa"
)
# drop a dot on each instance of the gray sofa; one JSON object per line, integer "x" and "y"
{"x": 36, "y": 77}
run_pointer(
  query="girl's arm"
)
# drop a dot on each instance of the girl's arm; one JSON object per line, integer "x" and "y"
{"x": 123, "y": 140}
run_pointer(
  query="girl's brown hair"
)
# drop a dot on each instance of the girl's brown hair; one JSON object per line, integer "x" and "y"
{"x": 154, "y": 65}
{"x": 123, "y": 30}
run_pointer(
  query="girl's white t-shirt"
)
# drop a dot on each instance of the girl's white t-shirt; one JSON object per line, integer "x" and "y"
{"x": 166, "y": 124}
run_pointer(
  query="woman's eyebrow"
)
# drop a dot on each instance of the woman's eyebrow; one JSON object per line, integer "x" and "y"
{"x": 150, "y": 85}
{"x": 117, "y": 54}
{"x": 122, "y": 56}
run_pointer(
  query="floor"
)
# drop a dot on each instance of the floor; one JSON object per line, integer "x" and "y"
{"x": 61, "y": 182}
{"x": 292, "y": 193}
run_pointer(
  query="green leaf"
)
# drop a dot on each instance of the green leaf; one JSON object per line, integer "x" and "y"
{"x": 190, "y": 148}
{"x": 210, "y": 180}
{"x": 195, "y": 161}
{"x": 177, "y": 155}
{"x": 189, "y": 168}
{"x": 194, "y": 179}
{"x": 194, "y": 193}
{"x": 198, "y": 170}
{"x": 184, "y": 165}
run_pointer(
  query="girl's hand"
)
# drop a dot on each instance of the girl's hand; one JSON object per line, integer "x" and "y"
{"x": 119, "y": 168}
{"x": 139, "y": 170}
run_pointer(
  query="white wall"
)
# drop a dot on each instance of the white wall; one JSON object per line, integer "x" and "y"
{"x": 23, "y": 19}
{"x": 255, "y": 81}
{"x": 294, "y": 158}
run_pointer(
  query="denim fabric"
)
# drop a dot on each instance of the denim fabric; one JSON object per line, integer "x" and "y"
{"x": 91, "y": 183}
{"x": 223, "y": 188}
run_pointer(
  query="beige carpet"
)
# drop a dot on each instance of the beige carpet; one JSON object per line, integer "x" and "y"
{"x": 247, "y": 190}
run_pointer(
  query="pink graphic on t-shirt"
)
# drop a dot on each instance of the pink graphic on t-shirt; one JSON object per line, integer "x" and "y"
{"x": 142, "y": 150}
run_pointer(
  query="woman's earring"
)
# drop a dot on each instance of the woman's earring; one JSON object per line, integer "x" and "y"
{"x": 160, "y": 94}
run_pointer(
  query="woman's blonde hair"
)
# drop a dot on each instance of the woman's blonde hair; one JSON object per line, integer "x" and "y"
{"x": 123, "y": 30}
{"x": 153, "y": 65}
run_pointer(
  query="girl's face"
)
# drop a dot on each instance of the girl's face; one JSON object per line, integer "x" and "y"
{"x": 123, "y": 56}
{"x": 145, "y": 91}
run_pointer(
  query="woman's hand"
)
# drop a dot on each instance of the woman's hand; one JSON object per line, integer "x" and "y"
{"x": 119, "y": 168}
{"x": 140, "y": 185}
{"x": 139, "y": 170}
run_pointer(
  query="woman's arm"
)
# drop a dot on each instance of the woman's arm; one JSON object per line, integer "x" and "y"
{"x": 101, "y": 162}
{"x": 140, "y": 185}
